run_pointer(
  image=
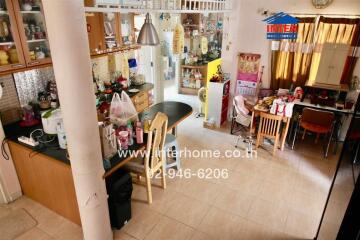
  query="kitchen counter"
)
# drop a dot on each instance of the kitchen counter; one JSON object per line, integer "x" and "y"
{"x": 142, "y": 88}
{"x": 13, "y": 131}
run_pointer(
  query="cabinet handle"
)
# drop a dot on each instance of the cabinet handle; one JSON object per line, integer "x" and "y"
{"x": 34, "y": 63}
{"x": 17, "y": 65}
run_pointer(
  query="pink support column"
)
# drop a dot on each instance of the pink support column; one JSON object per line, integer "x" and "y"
{"x": 66, "y": 27}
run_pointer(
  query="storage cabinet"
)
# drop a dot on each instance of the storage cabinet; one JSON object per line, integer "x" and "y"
{"x": 141, "y": 101}
{"x": 192, "y": 79}
{"x": 23, "y": 37}
{"x": 32, "y": 31}
{"x": 332, "y": 62}
{"x": 11, "y": 52}
{"x": 46, "y": 180}
{"x": 109, "y": 32}
{"x": 218, "y": 101}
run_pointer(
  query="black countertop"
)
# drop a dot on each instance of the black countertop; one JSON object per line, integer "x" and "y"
{"x": 175, "y": 111}
{"x": 142, "y": 88}
{"x": 52, "y": 149}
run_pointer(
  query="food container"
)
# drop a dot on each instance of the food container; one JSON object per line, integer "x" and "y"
{"x": 50, "y": 120}
{"x": 123, "y": 139}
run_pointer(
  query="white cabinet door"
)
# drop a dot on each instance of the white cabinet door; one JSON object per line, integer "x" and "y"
{"x": 332, "y": 62}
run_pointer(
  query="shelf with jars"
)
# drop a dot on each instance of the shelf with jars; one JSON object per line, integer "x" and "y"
{"x": 32, "y": 30}
{"x": 110, "y": 32}
{"x": 11, "y": 52}
{"x": 23, "y": 38}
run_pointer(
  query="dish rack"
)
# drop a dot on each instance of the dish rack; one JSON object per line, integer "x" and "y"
{"x": 192, "y": 5}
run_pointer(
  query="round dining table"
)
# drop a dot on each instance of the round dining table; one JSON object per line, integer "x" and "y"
{"x": 176, "y": 113}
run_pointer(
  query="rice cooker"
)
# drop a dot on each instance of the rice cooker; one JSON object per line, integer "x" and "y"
{"x": 50, "y": 120}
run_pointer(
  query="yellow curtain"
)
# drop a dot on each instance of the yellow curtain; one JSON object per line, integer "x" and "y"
{"x": 330, "y": 31}
{"x": 291, "y": 58}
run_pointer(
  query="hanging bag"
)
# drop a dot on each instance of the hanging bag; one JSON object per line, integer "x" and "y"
{"x": 122, "y": 109}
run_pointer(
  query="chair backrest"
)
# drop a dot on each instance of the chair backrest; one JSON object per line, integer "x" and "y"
{"x": 269, "y": 125}
{"x": 319, "y": 117}
{"x": 155, "y": 142}
{"x": 239, "y": 105}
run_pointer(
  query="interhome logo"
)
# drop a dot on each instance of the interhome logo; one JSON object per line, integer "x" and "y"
{"x": 281, "y": 26}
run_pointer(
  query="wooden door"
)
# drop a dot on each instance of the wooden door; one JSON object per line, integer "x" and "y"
{"x": 32, "y": 31}
{"x": 11, "y": 54}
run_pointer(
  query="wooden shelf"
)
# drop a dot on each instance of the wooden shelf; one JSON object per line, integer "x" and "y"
{"x": 193, "y": 66}
{"x": 37, "y": 40}
{"x": 189, "y": 91}
{"x": 34, "y": 12}
{"x": 6, "y": 43}
{"x": 115, "y": 50}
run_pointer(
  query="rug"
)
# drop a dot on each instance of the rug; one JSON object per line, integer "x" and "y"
{"x": 15, "y": 223}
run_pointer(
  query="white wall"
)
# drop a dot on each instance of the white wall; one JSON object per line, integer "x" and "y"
{"x": 247, "y": 32}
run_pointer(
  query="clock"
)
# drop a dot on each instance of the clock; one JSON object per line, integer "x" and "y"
{"x": 321, "y": 3}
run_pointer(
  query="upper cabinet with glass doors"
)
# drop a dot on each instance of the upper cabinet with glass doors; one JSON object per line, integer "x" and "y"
{"x": 11, "y": 52}
{"x": 32, "y": 31}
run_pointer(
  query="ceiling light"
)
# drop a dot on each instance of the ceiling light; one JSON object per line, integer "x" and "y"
{"x": 148, "y": 35}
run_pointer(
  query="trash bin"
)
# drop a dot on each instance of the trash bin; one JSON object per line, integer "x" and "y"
{"x": 119, "y": 188}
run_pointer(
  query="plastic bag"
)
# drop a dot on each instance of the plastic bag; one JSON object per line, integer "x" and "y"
{"x": 122, "y": 109}
{"x": 281, "y": 108}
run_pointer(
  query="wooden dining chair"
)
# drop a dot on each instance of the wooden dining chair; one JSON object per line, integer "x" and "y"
{"x": 269, "y": 127}
{"x": 153, "y": 162}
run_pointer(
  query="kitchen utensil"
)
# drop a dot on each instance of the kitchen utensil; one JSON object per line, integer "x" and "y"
{"x": 134, "y": 90}
{"x": 50, "y": 120}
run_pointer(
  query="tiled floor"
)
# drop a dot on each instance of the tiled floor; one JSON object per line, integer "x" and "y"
{"x": 265, "y": 197}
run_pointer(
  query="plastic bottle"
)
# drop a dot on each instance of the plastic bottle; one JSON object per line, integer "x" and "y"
{"x": 139, "y": 135}
{"x": 129, "y": 128}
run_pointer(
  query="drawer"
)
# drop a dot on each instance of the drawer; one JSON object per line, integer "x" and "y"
{"x": 140, "y": 97}
{"x": 141, "y": 105}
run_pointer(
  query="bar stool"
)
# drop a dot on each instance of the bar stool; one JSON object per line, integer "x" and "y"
{"x": 171, "y": 144}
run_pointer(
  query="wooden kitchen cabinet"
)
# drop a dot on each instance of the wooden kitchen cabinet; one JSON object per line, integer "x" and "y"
{"x": 32, "y": 30}
{"x": 141, "y": 101}
{"x": 11, "y": 52}
{"x": 46, "y": 180}
{"x": 110, "y": 32}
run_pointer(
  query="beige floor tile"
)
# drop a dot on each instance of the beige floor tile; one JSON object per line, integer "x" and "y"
{"x": 243, "y": 182}
{"x": 35, "y": 234}
{"x": 121, "y": 235}
{"x": 253, "y": 231}
{"x": 220, "y": 224}
{"x": 252, "y": 167}
{"x": 29, "y": 205}
{"x": 202, "y": 190}
{"x": 4, "y": 210}
{"x": 329, "y": 230}
{"x": 278, "y": 192}
{"x": 270, "y": 214}
{"x": 142, "y": 222}
{"x": 233, "y": 201}
{"x": 187, "y": 210}
{"x": 201, "y": 236}
{"x": 301, "y": 225}
{"x": 170, "y": 229}
{"x": 306, "y": 203}
{"x": 49, "y": 221}
{"x": 69, "y": 231}
{"x": 162, "y": 198}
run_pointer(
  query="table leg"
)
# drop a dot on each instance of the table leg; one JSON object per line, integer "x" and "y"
{"x": 174, "y": 131}
{"x": 252, "y": 122}
{"x": 284, "y": 134}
